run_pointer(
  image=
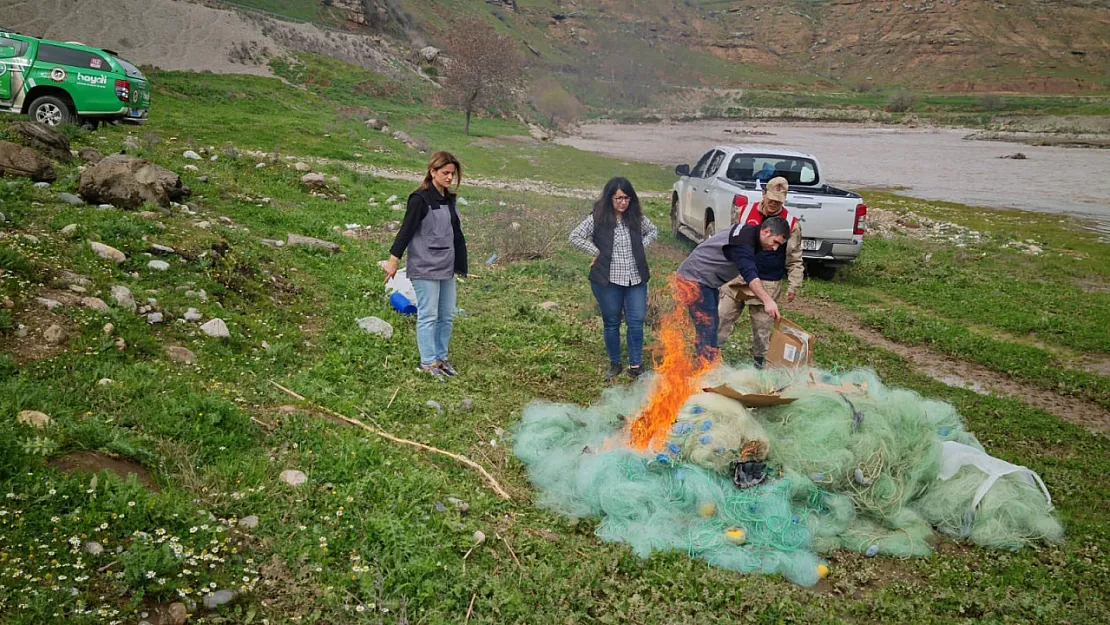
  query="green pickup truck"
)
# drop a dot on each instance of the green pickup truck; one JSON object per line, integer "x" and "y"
{"x": 56, "y": 83}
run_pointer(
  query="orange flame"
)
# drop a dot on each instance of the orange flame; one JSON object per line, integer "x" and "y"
{"x": 677, "y": 374}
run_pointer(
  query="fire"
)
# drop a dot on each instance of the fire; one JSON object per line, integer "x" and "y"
{"x": 678, "y": 372}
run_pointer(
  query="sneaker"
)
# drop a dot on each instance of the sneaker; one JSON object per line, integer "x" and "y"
{"x": 433, "y": 371}
{"x": 446, "y": 367}
{"x": 635, "y": 371}
{"x": 614, "y": 370}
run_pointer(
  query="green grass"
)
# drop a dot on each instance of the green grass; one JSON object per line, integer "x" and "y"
{"x": 364, "y": 532}
{"x": 1032, "y": 317}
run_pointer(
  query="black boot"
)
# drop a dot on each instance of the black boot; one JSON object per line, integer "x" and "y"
{"x": 635, "y": 371}
{"x": 615, "y": 369}
{"x": 758, "y": 361}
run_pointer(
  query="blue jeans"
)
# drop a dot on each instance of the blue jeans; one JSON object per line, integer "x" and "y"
{"x": 435, "y": 314}
{"x": 632, "y": 301}
{"x": 704, "y": 314}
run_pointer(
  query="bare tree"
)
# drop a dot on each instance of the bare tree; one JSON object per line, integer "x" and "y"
{"x": 481, "y": 68}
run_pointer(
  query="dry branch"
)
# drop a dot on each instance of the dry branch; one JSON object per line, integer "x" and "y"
{"x": 501, "y": 492}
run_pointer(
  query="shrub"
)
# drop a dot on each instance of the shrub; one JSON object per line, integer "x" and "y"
{"x": 901, "y": 101}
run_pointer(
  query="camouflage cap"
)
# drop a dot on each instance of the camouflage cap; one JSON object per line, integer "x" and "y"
{"x": 775, "y": 189}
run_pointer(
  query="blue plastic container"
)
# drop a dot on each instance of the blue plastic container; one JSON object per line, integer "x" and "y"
{"x": 402, "y": 304}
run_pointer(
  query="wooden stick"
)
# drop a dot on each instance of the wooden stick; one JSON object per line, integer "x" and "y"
{"x": 471, "y": 608}
{"x": 511, "y": 552}
{"x": 501, "y": 492}
{"x": 387, "y": 406}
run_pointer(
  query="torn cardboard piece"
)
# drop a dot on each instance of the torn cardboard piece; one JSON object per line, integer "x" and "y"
{"x": 791, "y": 345}
{"x": 750, "y": 400}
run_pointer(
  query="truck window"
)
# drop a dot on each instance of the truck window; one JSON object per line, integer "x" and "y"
{"x": 10, "y": 49}
{"x": 129, "y": 68}
{"x": 715, "y": 163}
{"x": 699, "y": 169}
{"x": 74, "y": 58}
{"x": 763, "y": 167}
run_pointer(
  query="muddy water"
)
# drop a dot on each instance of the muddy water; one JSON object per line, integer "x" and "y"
{"x": 934, "y": 163}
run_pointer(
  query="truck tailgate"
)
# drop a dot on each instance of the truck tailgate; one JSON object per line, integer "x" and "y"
{"x": 822, "y": 217}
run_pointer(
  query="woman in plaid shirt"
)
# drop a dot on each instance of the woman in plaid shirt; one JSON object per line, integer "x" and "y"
{"x": 615, "y": 235}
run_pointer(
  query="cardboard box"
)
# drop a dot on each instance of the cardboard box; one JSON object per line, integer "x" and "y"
{"x": 751, "y": 400}
{"x": 791, "y": 345}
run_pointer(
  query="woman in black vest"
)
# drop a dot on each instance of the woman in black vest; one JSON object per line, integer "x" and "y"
{"x": 432, "y": 234}
{"x": 615, "y": 234}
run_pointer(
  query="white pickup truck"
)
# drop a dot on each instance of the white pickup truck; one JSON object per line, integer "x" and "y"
{"x": 727, "y": 179}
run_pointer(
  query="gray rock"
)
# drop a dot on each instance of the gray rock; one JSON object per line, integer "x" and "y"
{"x": 176, "y": 614}
{"x": 429, "y": 53}
{"x": 219, "y": 598}
{"x": 164, "y": 249}
{"x": 68, "y": 277}
{"x": 434, "y": 405}
{"x": 302, "y": 166}
{"x": 462, "y": 506}
{"x": 202, "y": 178}
{"x": 216, "y": 328}
{"x": 109, "y": 329}
{"x": 124, "y": 298}
{"x": 76, "y": 288}
{"x": 107, "y": 252}
{"x": 314, "y": 180}
{"x": 466, "y": 405}
{"x": 293, "y": 477}
{"x": 376, "y": 124}
{"x": 191, "y": 155}
{"x": 104, "y": 382}
{"x": 191, "y": 168}
{"x": 193, "y": 315}
{"x": 35, "y": 419}
{"x": 69, "y": 230}
{"x": 249, "y": 522}
{"x": 154, "y": 317}
{"x": 180, "y": 354}
{"x": 91, "y": 156}
{"x": 129, "y": 182}
{"x": 440, "y": 507}
{"x": 296, "y": 240}
{"x": 50, "y": 304}
{"x": 54, "y": 335}
{"x": 158, "y": 265}
{"x": 374, "y": 325}
{"x": 203, "y": 225}
{"x": 94, "y": 548}
{"x": 95, "y": 303}
{"x": 260, "y": 165}
{"x": 20, "y": 331}
{"x": 391, "y": 199}
{"x": 30, "y": 238}
{"x": 549, "y": 305}
{"x": 42, "y": 185}
{"x": 70, "y": 198}
{"x": 16, "y": 160}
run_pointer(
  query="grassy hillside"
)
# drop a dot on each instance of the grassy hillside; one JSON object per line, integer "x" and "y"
{"x": 372, "y": 536}
{"x": 602, "y": 48}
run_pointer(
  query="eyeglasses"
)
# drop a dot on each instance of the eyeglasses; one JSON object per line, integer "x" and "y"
{"x": 621, "y": 198}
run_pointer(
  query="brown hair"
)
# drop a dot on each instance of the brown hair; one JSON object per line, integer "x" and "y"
{"x": 439, "y": 160}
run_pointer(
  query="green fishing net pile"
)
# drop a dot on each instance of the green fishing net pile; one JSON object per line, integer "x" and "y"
{"x": 846, "y": 470}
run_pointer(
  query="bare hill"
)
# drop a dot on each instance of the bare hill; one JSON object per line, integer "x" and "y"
{"x": 171, "y": 34}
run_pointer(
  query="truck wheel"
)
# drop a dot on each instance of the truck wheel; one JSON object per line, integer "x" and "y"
{"x": 50, "y": 110}
{"x": 90, "y": 124}
{"x": 710, "y": 229}
{"x": 821, "y": 271}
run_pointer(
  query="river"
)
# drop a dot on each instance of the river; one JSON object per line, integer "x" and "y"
{"x": 928, "y": 163}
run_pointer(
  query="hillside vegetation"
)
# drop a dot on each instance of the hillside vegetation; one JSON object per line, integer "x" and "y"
{"x": 384, "y": 533}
